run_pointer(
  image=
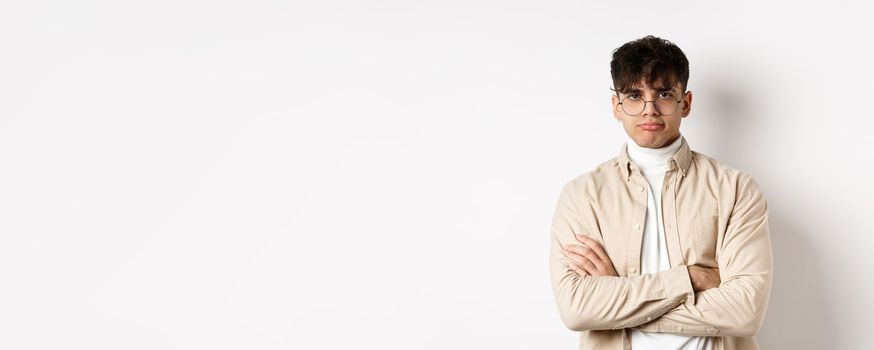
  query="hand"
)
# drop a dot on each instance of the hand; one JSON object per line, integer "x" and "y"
{"x": 704, "y": 278}
{"x": 588, "y": 259}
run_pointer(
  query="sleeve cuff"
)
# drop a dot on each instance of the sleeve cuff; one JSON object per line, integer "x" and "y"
{"x": 678, "y": 284}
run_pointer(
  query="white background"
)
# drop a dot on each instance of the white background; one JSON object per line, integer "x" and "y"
{"x": 382, "y": 174}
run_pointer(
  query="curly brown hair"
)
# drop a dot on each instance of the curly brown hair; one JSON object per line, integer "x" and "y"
{"x": 651, "y": 58}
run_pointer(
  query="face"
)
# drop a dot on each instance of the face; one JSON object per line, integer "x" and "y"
{"x": 650, "y": 128}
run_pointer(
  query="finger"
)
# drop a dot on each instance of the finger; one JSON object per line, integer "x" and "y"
{"x": 584, "y": 262}
{"x": 588, "y": 253}
{"x": 578, "y": 260}
{"x": 595, "y": 246}
{"x": 580, "y": 235}
{"x": 573, "y": 267}
{"x": 589, "y": 266}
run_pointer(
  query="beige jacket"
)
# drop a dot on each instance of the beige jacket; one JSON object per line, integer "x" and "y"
{"x": 714, "y": 216}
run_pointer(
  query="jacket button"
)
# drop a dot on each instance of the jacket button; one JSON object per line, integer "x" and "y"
{"x": 640, "y": 188}
{"x": 633, "y": 270}
{"x": 636, "y": 226}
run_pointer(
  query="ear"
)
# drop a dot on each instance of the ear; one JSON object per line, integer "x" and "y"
{"x": 687, "y": 103}
{"x": 617, "y": 109}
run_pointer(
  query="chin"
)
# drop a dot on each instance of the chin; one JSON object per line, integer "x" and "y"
{"x": 647, "y": 142}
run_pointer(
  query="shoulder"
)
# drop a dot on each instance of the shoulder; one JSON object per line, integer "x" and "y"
{"x": 724, "y": 173}
{"x": 709, "y": 166}
{"x": 605, "y": 174}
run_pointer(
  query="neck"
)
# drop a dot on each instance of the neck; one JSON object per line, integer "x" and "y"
{"x": 652, "y": 156}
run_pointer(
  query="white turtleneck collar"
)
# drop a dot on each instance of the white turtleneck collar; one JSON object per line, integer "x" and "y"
{"x": 646, "y": 157}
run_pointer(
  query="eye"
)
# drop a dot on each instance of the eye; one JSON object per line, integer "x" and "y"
{"x": 665, "y": 94}
{"x": 633, "y": 97}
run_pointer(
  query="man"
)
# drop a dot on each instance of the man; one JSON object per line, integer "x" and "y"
{"x": 660, "y": 247}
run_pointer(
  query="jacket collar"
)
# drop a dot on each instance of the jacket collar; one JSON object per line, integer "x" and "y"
{"x": 682, "y": 159}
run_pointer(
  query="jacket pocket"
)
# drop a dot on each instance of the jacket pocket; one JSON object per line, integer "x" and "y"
{"x": 705, "y": 232}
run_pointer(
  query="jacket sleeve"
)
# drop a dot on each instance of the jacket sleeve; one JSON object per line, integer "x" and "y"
{"x": 605, "y": 302}
{"x": 737, "y": 307}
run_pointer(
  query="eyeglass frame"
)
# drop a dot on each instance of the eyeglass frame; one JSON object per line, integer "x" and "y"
{"x": 645, "y": 102}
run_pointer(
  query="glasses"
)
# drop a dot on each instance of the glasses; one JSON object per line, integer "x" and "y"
{"x": 665, "y": 104}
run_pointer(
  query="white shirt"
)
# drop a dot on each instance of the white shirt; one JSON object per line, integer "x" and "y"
{"x": 653, "y": 162}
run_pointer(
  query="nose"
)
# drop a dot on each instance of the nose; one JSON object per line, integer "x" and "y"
{"x": 650, "y": 109}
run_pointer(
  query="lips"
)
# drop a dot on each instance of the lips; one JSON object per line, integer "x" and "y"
{"x": 651, "y": 126}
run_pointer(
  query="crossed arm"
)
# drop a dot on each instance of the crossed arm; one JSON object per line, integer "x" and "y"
{"x": 688, "y": 300}
{"x": 589, "y": 258}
